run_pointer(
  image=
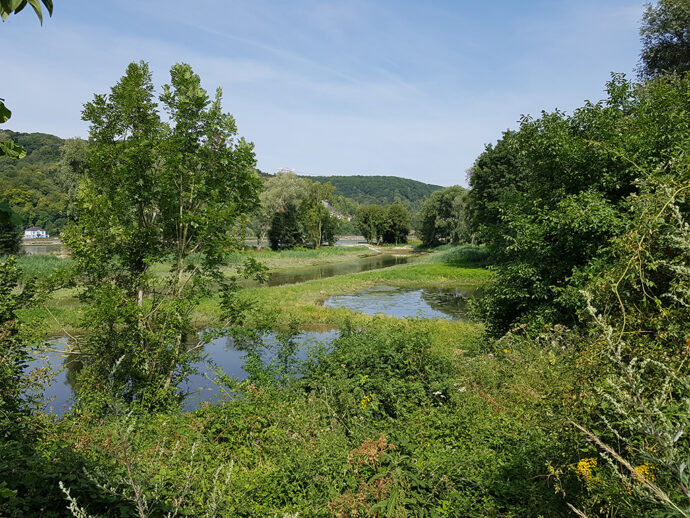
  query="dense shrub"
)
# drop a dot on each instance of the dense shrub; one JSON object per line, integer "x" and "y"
{"x": 554, "y": 193}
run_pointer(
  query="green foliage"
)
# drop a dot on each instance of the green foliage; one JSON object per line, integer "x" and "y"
{"x": 43, "y": 267}
{"x": 665, "y": 35}
{"x": 371, "y": 222}
{"x": 13, "y": 343}
{"x": 7, "y": 147}
{"x": 397, "y": 225}
{"x": 396, "y": 366}
{"x": 8, "y": 7}
{"x": 285, "y": 232}
{"x": 21, "y": 468}
{"x": 383, "y": 225}
{"x": 384, "y": 423}
{"x": 295, "y": 212}
{"x": 379, "y": 190}
{"x": 153, "y": 192}
{"x": 627, "y": 363}
{"x": 10, "y": 231}
{"x": 565, "y": 198}
{"x": 33, "y": 187}
{"x": 444, "y": 217}
{"x": 494, "y": 175}
{"x": 466, "y": 255}
{"x": 279, "y": 192}
{"x": 318, "y": 224}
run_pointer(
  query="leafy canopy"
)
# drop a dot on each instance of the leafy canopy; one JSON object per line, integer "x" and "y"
{"x": 665, "y": 33}
{"x": 154, "y": 191}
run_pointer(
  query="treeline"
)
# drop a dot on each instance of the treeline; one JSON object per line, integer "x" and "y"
{"x": 294, "y": 212}
{"x": 380, "y": 190}
{"x": 38, "y": 187}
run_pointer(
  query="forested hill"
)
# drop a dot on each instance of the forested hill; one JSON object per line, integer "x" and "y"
{"x": 382, "y": 190}
{"x": 37, "y": 190}
{"x": 31, "y": 186}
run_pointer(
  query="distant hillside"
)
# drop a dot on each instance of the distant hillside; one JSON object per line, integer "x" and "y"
{"x": 31, "y": 186}
{"x": 381, "y": 190}
{"x": 36, "y": 191}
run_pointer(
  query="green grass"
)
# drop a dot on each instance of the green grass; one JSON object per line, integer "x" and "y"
{"x": 302, "y": 303}
{"x": 297, "y": 302}
{"x": 40, "y": 265}
{"x": 464, "y": 255}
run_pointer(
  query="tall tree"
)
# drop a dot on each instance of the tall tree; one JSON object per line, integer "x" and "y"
{"x": 665, "y": 33}
{"x": 371, "y": 222}
{"x": 443, "y": 215}
{"x": 397, "y": 224}
{"x": 285, "y": 232}
{"x": 313, "y": 213}
{"x": 494, "y": 173}
{"x": 280, "y": 191}
{"x": 154, "y": 191}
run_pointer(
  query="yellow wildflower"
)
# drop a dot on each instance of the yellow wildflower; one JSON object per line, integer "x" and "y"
{"x": 506, "y": 351}
{"x": 366, "y": 400}
{"x": 644, "y": 473}
{"x": 584, "y": 469}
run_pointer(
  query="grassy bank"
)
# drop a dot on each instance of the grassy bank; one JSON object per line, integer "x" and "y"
{"x": 294, "y": 302}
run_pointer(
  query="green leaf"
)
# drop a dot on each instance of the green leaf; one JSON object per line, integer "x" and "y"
{"x": 11, "y": 150}
{"x": 5, "y": 113}
{"x": 36, "y": 4}
{"x": 19, "y": 6}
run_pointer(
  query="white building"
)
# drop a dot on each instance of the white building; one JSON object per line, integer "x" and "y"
{"x": 35, "y": 233}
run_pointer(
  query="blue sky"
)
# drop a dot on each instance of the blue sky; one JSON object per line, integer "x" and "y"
{"x": 407, "y": 88}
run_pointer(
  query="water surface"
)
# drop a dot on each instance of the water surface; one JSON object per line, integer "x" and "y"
{"x": 323, "y": 271}
{"x": 445, "y": 303}
{"x": 199, "y": 388}
{"x": 42, "y": 249}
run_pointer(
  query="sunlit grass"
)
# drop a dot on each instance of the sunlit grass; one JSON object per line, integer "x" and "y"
{"x": 300, "y": 303}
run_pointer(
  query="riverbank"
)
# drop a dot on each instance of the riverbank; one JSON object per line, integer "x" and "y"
{"x": 400, "y": 401}
{"x": 428, "y": 296}
{"x": 299, "y": 302}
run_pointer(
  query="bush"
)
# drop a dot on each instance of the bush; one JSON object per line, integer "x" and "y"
{"x": 467, "y": 255}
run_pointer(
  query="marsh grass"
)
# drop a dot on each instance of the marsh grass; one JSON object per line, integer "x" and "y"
{"x": 465, "y": 255}
{"x": 62, "y": 313}
{"x": 40, "y": 266}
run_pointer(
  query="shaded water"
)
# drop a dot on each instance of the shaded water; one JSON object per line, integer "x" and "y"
{"x": 200, "y": 387}
{"x": 223, "y": 354}
{"x": 41, "y": 249}
{"x": 445, "y": 303}
{"x": 323, "y": 271}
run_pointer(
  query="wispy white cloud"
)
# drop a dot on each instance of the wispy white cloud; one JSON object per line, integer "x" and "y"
{"x": 408, "y": 88}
